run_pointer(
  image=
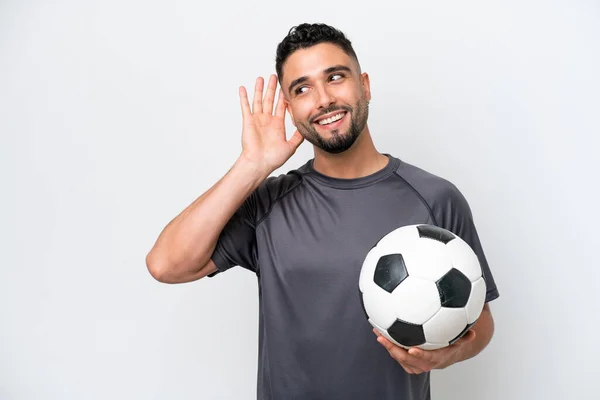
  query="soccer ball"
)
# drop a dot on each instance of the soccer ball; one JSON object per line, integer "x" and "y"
{"x": 422, "y": 286}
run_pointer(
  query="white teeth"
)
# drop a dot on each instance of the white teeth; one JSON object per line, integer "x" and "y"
{"x": 331, "y": 119}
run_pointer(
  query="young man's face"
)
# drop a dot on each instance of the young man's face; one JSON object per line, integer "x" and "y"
{"x": 326, "y": 96}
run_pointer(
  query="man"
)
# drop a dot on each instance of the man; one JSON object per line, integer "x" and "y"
{"x": 305, "y": 233}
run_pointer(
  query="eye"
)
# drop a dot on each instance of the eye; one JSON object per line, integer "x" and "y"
{"x": 336, "y": 77}
{"x": 300, "y": 90}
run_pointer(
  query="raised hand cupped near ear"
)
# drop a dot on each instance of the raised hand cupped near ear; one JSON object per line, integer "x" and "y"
{"x": 264, "y": 138}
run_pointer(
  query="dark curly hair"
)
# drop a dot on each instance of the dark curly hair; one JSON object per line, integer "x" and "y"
{"x": 307, "y": 35}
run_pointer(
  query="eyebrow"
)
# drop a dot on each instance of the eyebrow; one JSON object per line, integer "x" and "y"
{"x": 329, "y": 70}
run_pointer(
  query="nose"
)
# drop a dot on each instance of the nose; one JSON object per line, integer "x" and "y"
{"x": 324, "y": 97}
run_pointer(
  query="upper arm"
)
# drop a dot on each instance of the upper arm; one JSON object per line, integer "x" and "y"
{"x": 208, "y": 269}
{"x": 453, "y": 212}
{"x": 237, "y": 242}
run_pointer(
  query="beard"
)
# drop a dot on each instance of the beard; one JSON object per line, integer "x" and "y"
{"x": 339, "y": 141}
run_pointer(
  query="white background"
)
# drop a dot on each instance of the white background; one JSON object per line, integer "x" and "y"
{"x": 115, "y": 115}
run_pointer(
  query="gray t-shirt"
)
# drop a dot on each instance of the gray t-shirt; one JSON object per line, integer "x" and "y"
{"x": 305, "y": 236}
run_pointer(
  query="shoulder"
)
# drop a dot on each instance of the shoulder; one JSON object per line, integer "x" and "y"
{"x": 277, "y": 186}
{"x": 273, "y": 189}
{"x": 441, "y": 196}
{"x": 433, "y": 188}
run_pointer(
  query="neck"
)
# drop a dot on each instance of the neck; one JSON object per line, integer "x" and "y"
{"x": 362, "y": 159}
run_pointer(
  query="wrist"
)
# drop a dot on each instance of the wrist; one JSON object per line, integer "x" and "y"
{"x": 254, "y": 169}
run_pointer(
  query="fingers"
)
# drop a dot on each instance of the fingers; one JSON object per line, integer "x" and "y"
{"x": 400, "y": 354}
{"x": 270, "y": 95}
{"x": 258, "y": 105}
{"x": 410, "y": 363}
{"x": 266, "y": 106}
{"x": 416, "y": 352}
{"x": 470, "y": 335}
{"x": 245, "y": 105}
{"x": 258, "y": 94}
{"x": 423, "y": 359}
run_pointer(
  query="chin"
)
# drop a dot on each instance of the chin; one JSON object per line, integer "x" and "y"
{"x": 338, "y": 144}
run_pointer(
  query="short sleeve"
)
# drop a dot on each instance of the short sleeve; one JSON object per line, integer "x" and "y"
{"x": 236, "y": 245}
{"x": 452, "y": 212}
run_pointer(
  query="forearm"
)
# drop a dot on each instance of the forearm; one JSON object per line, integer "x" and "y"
{"x": 484, "y": 330}
{"x": 187, "y": 242}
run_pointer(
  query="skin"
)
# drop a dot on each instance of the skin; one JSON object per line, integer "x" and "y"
{"x": 323, "y": 90}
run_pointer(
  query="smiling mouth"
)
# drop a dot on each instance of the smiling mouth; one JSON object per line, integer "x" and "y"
{"x": 330, "y": 120}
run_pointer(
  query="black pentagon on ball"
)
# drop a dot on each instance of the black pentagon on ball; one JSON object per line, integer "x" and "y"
{"x": 407, "y": 334}
{"x": 390, "y": 271}
{"x": 435, "y": 233}
{"x": 454, "y": 288}
{"x": 462, "y": 333}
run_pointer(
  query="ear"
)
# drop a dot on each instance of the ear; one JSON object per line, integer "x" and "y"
{"x": 366, "y": 85}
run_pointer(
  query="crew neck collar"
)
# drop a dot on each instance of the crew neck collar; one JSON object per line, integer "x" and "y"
{"x": 352, "y": 183}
